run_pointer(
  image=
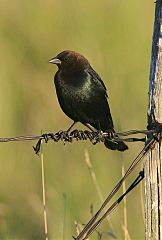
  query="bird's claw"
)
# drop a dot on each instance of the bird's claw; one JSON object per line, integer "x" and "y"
{"x": 110, "y": 134}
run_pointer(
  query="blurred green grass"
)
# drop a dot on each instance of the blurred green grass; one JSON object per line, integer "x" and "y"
{"x": 116, "y": 38}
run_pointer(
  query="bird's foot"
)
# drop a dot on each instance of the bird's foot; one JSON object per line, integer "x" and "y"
{"x": 110, "y": 134}
{"x": 71, "y": 126}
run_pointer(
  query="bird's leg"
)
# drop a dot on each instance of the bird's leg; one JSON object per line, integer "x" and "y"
{"x": 99, "y": 127}
{"x": 66, "y": 132}
{"x": 71, "y": 126}
{"x": 89, "y": 126}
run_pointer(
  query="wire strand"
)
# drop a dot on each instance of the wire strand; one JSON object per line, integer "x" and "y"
{"x": 115, "y": 204}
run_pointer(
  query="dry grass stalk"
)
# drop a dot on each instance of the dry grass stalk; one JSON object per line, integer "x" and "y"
{"x": 44, "y": 196}
{"x": 64, "y": 218}
{"x": 79, "y": 227}
{"x": 94, "y": 179}
{"x": 125, "y": 230}
{"x": 125, "y": 225}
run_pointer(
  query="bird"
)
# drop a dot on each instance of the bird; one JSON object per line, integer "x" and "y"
{"x": 82, "y": 95}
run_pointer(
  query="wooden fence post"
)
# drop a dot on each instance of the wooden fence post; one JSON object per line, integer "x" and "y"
{"x": 153, "y": 160}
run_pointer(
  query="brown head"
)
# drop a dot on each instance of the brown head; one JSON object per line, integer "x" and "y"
{"x": 70, "y": 62}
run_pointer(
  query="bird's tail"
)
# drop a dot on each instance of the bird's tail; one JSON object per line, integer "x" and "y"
{"x": 120, "y": 145}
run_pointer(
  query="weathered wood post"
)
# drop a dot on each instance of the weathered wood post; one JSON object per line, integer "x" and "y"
{"x": 153, "y": 161}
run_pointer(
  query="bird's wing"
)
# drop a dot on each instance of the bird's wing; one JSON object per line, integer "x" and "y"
{"x": 97, "y": 79}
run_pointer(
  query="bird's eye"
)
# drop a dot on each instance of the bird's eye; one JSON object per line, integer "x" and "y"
{"x": 66, "y": 59}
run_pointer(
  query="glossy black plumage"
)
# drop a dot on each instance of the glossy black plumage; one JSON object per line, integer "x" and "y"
{"x": 82, "y": 94}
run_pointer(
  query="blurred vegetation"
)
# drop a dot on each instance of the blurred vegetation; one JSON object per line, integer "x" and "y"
{"x": 116, "y": 38}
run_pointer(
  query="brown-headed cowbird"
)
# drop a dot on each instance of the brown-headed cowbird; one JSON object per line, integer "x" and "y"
{"x": 82, "y": 94}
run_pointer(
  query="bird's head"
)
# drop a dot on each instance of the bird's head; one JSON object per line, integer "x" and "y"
{"x": 70, "y": 62}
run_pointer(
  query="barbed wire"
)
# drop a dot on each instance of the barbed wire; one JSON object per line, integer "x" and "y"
{"x": 93, "y": 136}
{"x": 91, "y": 229}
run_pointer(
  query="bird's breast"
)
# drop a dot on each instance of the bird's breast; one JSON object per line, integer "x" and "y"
{"x": 75, "y": 87}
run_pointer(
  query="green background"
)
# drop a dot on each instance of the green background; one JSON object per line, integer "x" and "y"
{"x": 116, "y": 38}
